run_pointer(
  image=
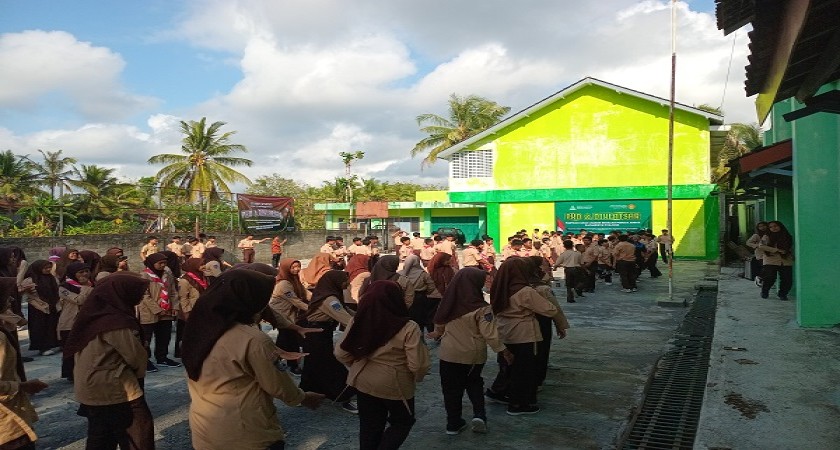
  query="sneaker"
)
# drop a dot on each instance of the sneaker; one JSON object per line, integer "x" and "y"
{"x": 758, "y": 281}
{"x": 169, "y": 363}
{"x": 350, "y": 407}
{"x": 49, "y": 352}
{"x": 151, "y": 368}
{"x": 496, "y": 397}
{"x": 522, "y": 410}
{"x": 479, "y": 425}
{"x": 608, "y": 283}
{"x": 457, "y": 429}
{"x": 634, "y": 290}
{"x": 627, "y": 290}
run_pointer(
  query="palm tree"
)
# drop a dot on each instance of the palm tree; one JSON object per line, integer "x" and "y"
{"x": 741, "y": 139}
{"x": 46, "y": 210}
{"x": 203, "y": 167}
{"x": 468, "y": 116}
{"x": 54, "y": 171}
{"x": 17, "y": 179}
{"x": 104, "y": 195}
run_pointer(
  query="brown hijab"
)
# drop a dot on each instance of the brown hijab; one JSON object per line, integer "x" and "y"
{"x": 110, "y": 306}
{"x": 331, "y": 284}
{"x": 357, "y": 266}
{"x": 382, "y": 314}
{"x": 441, "y": 271}
{"x": 318, "y": 266}
{"x": 284, "y": 272}
{"x": 8, "y": 285}
{"x": 463, "y": 295}
{"x": 45, "y": 285}
{"x": 236, "y": 297}
{"x": 194, "y": 275}
{"x": 511, "y": 278}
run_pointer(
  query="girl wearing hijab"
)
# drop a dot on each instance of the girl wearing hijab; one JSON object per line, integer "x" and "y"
{"x": 13, "y": 264}
{"x": 541, "y": 282}
{"x": 317, "y": 267}
{"x": 157, "y": 304}
{"x": 110, "y": 264}
{"x": 358, "y": 268}
{"x": 441, "y": 271}
{"x": 212, "y": 262}
{"x": 387, "y": 357}
{"x": 426, "y": 296}
{"x": 386, "y": 269}
{"x": 758, "y": 238}
{"x": 93, "y": 261}
{"x": 72, "y": 292}
{"x": 191, "y": 285}
{"x": 16, "y": 412}
{"x": 55, "y": 254}
{"x": 41, "y": 288}
{"x": 465, "y": 324}
{"x": 232, "y": 378}
{"x": 69, "y": 256}
{"x": 321, "y": 371}
{"x": 110, "y": 363}
{"x": 515, "y": 304}
{"x": 289, "y": 299}
{"x": 778, "y": 260}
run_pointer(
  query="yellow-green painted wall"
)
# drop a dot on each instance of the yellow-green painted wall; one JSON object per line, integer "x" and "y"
{"x": 597, "y": 137}
{"x": 431, "y": 196}
{"x": 455, "y": 212}
{"x": 517, "y": 216}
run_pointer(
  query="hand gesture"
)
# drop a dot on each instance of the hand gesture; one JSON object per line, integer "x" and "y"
{"x": 302, "y": 331}
{"x": 288, "y": 356}
{"x": 312, "y": 400}
{"x": 507, "y": 355}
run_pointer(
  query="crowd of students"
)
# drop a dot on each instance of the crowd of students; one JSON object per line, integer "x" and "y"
{"x": 109, "y": 321}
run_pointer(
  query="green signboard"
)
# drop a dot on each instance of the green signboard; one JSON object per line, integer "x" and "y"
{"x": 602, "y": 216}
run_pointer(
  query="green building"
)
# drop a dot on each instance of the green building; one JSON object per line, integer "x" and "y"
{"x": 593, "y": 156}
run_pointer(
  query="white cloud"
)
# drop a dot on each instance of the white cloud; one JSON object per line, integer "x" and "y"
{"x": 324, "y": 76}
{"x": 38, "y": 64}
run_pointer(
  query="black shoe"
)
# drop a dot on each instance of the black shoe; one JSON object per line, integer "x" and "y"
{"x": 168, "y": 363}
{"x": 783, "y": 298}
{"x": 27, "y": 359}
{"x": 151, "y": 368}
{"x": 571, "y": 301}
{"x": 765, "y": 294}
{"x": 350, "y": 407}
{"x": 521, "y": 410}
{"x": 452, "y": 430}
{"x": 496, "y": 397}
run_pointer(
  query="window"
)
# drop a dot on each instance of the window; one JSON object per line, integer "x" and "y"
{"x": 472, "y": 164}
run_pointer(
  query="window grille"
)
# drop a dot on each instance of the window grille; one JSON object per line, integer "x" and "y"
{"x": 472, "y": 164}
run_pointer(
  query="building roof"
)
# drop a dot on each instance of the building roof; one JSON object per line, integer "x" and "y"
{"x": 560, "y": 95}
{"x": 795, "y": 46}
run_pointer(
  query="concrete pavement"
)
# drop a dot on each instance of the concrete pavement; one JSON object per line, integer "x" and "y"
{"x": 596, "y": 379}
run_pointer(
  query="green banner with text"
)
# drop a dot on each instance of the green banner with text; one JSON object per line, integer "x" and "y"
{"x": 602, "y": 216}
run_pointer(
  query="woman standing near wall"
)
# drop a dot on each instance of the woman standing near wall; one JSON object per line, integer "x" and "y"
{"x": 41, "y": 289}
{"x": 778, "y": 260}
{"x": 758, "y": 238}
{"x": 73, "y": 292}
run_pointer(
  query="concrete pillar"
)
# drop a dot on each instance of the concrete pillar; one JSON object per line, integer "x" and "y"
{"x": 816, "y": 191}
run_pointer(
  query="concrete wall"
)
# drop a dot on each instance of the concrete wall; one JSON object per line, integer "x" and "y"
{"x": 301, "y": 245}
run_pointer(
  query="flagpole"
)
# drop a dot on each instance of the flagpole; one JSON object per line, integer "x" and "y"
{"x": 670, "y": 222}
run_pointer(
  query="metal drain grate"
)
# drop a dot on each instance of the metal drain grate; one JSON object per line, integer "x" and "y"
{"x": 671, "y": 408}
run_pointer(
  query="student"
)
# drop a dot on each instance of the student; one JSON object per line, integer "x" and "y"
{"x": 356, "y": 248}
{"x": 427, "y": 252}
{"x": 386, "y": 269}
{"x": 540, "y": 281}
{"x": 666, "y": 245}
{"x": 405, "y": 248}
{"x": 150, "y": 247}
{"x": 515, "y": 304}
{"x": 570, "y": 261}
{"x": 322, "y": 372}
{"x": 758, "y": 238}
{"x": 466, "y": 326}
{"x": 589, "y": 263}
{"x": 289, "y": 299}
{"x": 72, "y": 292}
{"x": 778, "y": 260}
{"x": 198, "y": 248}
{"x": 17, "y": 415}
{"x": 624, "y": 255}
{"x": 41, "y": 289}
{"x": 157, "y": 302}
{"x": 426, "y": 296}
{"x": 191, "y": 285}
{"x": 358, "y": 270}
{"x": 110, "y": 363}
{"x": 605, "y": 262}
{"x": 230, "y": 362}
{"x": 176, "y": 247}
{"x": 472, "y": 254}
{"x": 277, "y": 250}
{"x": 211, "y": 241}
{"x": 417, "y": 243}
{"x": 247, "y": 247}
{"x": 386, "y": 356}
{"x": 441, "y": 271}
{"x": 317, "y": 267}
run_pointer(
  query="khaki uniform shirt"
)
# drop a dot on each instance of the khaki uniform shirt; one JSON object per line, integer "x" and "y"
{"x": 444, "y": 247}
{"x": 177, "y": 249}
{"x": 417, "y": 243}
{"x": 472, "y": 257}
{"x": 354, "y": 249}
{"x": 187, "y": 295}
{"x": 233, "y": 400}
{"x": 356, "y": 284}
{"x": 330, "y": 309}
{"x": 427, "y": 253}
{"x": 107, "y": 369}
{"x": 16, "y": 411}
{"x": 624, "y": 251}
{"x": 198, "y": 250}
{"x": 70, "y": 304}
{"x": 391, "y": 371}
{"x": 590, "y": 254}
{"x": 518, "y": 324}
{"x": 548, "y": 294}
{"x": 147, "y": 250}
{"x": 284, "y": 301}
{"x": 569, "y": 258}
{"x": 405, "y": 252}
{"x": 466, "y": 338}
{"x": 773, "y": 257}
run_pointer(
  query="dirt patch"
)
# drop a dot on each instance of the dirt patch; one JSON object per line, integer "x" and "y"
{"x": 745, "y": 361}
{"x": 748, "y": 408}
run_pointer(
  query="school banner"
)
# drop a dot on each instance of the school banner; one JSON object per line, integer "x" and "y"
{"x": 602, "y": 216}
{"x": 261, "y": 214}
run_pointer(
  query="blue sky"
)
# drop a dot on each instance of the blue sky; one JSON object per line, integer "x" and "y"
{"x": 302, "y": 80}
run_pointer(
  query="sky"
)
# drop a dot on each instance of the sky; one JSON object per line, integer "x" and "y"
{"x": 302, "y": 80}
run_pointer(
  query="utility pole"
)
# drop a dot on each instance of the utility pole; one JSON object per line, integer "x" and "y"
{"x": 670, "y": 223}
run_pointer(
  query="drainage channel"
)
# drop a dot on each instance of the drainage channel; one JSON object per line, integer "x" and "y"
{"x": 673, "y": 397}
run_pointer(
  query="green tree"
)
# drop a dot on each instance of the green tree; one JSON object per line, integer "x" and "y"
{"x": 17, "y": 179}
{"x": 104, "y": 197}
{"x": 45, "y": 210}
{"x": 204, "y": 167}
{"x": 468, "y": 116}
{"x": 277, "y": 186}
{"x": 55, "y": 171}
{"x": 741, "y": 139}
